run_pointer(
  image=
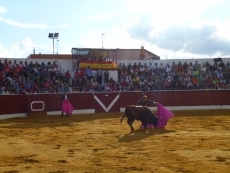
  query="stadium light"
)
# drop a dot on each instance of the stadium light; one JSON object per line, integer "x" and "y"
{"x": 102, "y": 39}
{"x": 53, "y": 36}
{"x": 57, "y": 45}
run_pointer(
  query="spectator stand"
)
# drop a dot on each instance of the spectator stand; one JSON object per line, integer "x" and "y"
{"x": 41, "y": 75}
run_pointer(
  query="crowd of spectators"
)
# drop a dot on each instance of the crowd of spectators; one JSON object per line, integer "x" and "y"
{"x": 18, "y": 77}
{"x": 186, "y": 76}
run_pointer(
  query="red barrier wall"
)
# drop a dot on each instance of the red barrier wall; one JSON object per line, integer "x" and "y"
{"x": 112, "y": 101}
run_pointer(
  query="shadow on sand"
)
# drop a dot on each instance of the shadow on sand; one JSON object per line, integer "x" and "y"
{"x": 141, "y": 134}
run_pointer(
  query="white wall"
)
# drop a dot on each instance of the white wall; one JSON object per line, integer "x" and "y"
{"x": 170, "y": 61}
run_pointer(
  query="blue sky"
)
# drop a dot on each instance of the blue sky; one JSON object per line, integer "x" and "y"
{"x": 171, "y": 29}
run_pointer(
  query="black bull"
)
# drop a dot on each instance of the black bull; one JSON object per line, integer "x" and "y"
{"x": 142, "y": 113}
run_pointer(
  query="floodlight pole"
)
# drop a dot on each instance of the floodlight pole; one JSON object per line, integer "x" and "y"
{"x": 53, "y": 36}
{"x": 53, "y": 45}
{"x": 57, "y": 45}
{"x": 102, "y": 39}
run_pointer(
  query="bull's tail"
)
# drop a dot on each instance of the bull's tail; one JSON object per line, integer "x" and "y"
{"x": 121, "y": 119}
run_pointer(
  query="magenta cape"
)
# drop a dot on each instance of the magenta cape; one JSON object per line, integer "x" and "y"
{"x": 67, "y": 106}
{"x": 164, "y": 115}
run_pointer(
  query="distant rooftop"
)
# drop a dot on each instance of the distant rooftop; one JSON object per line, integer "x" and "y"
{"x": 114, "y": 54}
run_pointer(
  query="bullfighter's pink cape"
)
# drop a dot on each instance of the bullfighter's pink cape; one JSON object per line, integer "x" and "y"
{"x": 67, "y": 106}
{"x": 164, "y": 115}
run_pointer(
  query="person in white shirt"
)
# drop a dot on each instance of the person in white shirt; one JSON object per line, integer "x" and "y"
{"x": 107, "y": 87}
{"x": 5, "y": 92}
{"x": 150, "y": 66}
{"x": 168, "y": 69}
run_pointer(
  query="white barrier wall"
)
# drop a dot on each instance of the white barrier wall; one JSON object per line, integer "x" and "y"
{"x": 170, "y": 61}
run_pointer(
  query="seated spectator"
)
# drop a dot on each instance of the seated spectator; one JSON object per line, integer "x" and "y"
{"x": 10, "y": 64}
{"x": 122, "y": 76}
{"x": 77, "y": 74}
{"x": 185, "y": 66}
{"x": 155, "y": 67}
{"x": 106, "y": 76}
{"x": 123, "y": 67}
{"x": 107, "y": 87}
{"x": 94, "y": 72}
{"x": 35, "y": 70}
{"x": 43, "y": 66}
{"x": 48, "y": 65}
{"x": 14, "y": 64}
{"x": 145, "y": 66}
{"x": 52, "y": 71}
{"x": 196, "y": 72}
{"x": 93, "y": 82}
{"x": 135, "y": 66}
{"x": 136, "y": 71}
{"x": 99, "y": 75}
{"x": 228, "y": 65}
{"x": 136, "y": 80}
{"x": 141, "y": 83}
{"x": 5, "y": 92}
{"x": 129, "y": 67}
{"x": 221, "y": 65}
{"x": 162, "y": 68}
{"x": 112, "y": 82}
{"x": 139, "y": 65}
{"x": 223, "y": 85}
{"x": 7, "y": 67}
{"x": 91, "y": 89}
{"x": 195, "y": 66}
{"x": 88, "y": 73}
{"x": 180, "y": 67}
{"x": 1, "y": 66}
{"x": 167, "y": 83}
{"x": 141, "y": 69}
{"x": 218, "y": 73}
{"x": 150, "y": 66}
{"x": 55, "y": 64}
{"x": 168, "y": 69}
{"x": 216, "y": 65}
{"x": 194, "y": 81}
{"x": 189, "y": 84}
{"x": 82, "y": 74}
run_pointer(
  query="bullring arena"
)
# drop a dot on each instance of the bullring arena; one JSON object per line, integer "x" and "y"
{"x": 193, "y": 141}
{"x": 35, "y": 138}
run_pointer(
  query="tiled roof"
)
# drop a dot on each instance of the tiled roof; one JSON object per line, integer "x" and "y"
{"x": 114, "y": 54}
{"x": 50, "y": 56}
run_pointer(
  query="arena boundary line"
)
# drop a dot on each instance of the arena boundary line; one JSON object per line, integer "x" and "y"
{"x": 5, "y": 116}
{"x": 189, "y": 107}
{"x": 225, "y": 106}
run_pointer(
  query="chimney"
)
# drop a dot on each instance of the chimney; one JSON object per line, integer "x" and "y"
{"x": 33, "y": 50}
{"x": 142, "y": 53}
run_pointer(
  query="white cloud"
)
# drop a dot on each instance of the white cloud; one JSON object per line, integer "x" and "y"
{"x": 4, "y": 52}
{"x": 62, "y": 26}
{"x": 223, "y": 29}
{"x": 23, "y": 25}
{"x": 2, "y": 9}
{"x": 167, "y": 12}
{"x": 98, "y": 17}
{"x": 18, "y": 50}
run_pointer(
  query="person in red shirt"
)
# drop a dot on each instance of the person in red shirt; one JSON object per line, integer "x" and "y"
{"x": 82, "y": 74}
{"x": 77, "y": 74}
{"x": 67, "y": 74}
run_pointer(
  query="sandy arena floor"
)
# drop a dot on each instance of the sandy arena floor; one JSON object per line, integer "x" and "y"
{"x": 192, "y": 142}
